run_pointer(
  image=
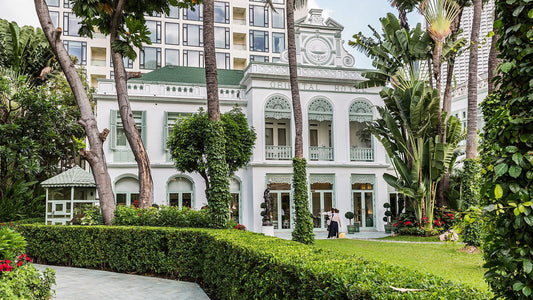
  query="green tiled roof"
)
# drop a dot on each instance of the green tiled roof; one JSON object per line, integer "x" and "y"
{"x": 178, "y": 74}
{"x": 74, "y": 177}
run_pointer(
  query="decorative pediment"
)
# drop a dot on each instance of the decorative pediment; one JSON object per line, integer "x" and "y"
{"x": 363, "y": 178}
{"x": 321, "y": 178}
{"x": 361, "y": 111}
{"x": 278, "y": 108}
{"x": 320, "y": 42}
{"x": 320, "y": 110}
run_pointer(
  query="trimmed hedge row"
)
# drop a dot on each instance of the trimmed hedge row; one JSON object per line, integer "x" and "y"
{"x": 234, "y": 264}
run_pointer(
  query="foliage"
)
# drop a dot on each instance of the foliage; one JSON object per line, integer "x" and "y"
{"x": 166, "y": 216}
{"x": 37, "y": 127}
{"x": 218, "y": 195}
{"x": 24, "y": 50}
{"x": 188, "y": 143}
{"x": 303, "y": 229}
{"x": 235, "y": 264}
{"x": 11, "y": 244}
{"x": 388, "y": 213}
{"x": 473, "y": 233}
{"x": 392, "y": 50}
{"x": 349, "y": 215}
{"x": 508, "y": 157}
{"x": 88, "y": 215}
{"x": 25, "y": 282}
{"x": 408, "y": 224}
{"x": 407, "y": 131}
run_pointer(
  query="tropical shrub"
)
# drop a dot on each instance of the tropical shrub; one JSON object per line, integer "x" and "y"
{"x": 234, "y": 264}
{"x": 508, "y": 157}
{"x": 18, "y": 278}
{"x": 408, "y": 224}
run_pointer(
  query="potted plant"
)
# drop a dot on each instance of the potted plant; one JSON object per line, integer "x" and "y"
{"x": 388, "y": 215}
{"x": 351, "y": 228}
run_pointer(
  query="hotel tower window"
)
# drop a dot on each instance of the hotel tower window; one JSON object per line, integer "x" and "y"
{"x": 258, "y": 41}
{"x": 221, "y": 12}
{"x": 258, "y": 16}
{"x": 193, "y": 35}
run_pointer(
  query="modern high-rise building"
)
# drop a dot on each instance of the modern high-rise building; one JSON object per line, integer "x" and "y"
{"x": 461, "y": 62}
{"x": 245, "y": 31}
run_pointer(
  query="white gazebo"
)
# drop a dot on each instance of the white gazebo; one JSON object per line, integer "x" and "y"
{"x": 67, "y": 192}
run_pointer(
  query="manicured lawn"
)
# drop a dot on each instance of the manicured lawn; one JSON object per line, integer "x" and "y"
{"x": 443, "y": 259}
{"x": 411, "y": 238}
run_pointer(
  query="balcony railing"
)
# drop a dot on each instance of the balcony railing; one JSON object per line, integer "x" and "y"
{"x": 278, "y": 152}
{"x": 98, "y": 63}
{"x": 320, "y": 153}
{"x": 361, "y": 154}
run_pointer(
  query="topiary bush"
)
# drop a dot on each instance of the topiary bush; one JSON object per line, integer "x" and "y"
{"x": 235, "y": 264}
{"x": 166, "y": 216}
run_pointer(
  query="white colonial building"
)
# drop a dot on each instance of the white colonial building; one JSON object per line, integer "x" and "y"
{"x": 345, "y": 166}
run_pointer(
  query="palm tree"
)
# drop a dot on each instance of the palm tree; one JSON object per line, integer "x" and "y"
{"x": 439, "y": 15}
{"x": 404, "y": 7}
{"x": 303, "y": 231}
{"x": 471, "y": 138}
{"x": 218, "y": 170}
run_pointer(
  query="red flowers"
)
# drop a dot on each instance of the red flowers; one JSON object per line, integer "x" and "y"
{"x": 240, "y": 227}
{"x": 6, "y": 265}
{"x": 408, "y": 223}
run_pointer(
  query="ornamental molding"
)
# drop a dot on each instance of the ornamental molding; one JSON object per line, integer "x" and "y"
{"x": 278, "y": 107}
{"x": 320, "y": 110}
{"x": 279, "y": 178}
{"x": 321, "y": 178}
{"x": 361, "y": 111}
{"x": 363, "y": 178}
{"x": 315, "y": 73}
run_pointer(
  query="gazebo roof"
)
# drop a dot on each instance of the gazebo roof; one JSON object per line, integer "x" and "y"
{"x": 75, "y": 177}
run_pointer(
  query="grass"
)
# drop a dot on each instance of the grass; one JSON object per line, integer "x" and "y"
{"x": 439, "y": 259}
{"x": 412, "y": 238}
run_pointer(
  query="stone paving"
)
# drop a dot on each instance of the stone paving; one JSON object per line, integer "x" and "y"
{"x": 85, "y": 284}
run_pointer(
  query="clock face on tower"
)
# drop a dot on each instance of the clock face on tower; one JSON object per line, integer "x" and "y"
{"x": 318, "y": 51}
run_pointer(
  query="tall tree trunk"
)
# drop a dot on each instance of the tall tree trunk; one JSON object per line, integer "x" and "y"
{"x": 471, "y": 133}
{"x": 217, "y": 166}
{"x": 293, "y": 74}
{"x": 402, "y": 15}
{"x": 447, "y": 107}
{"x": 146, "y": 188}
{"x": 213, "y": 107}
{"x": 95, "y": 156}
{"x": 494, "y": 61}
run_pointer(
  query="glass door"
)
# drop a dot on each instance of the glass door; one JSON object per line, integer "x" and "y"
{"x": 281, "y": 209}
{"x": 363, "y": 205}
{"x": 321, "y": 201}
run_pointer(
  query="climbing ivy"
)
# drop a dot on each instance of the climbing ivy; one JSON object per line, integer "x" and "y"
{"x": 473, "y": 233}
{"x": 508, "y": 157}
{"x": 217, "y": 169}
{"x": 303, "y": 230}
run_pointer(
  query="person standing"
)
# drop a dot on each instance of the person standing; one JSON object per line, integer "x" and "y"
{"x": 334, "y": 224}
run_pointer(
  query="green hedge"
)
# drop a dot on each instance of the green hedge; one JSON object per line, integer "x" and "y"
{"x": 234, "y": 264}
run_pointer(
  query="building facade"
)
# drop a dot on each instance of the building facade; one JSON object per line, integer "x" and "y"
{"x": 245, "y": 31}
{"x": 345, "y": 164}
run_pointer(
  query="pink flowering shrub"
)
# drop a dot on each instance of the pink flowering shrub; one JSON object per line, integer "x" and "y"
{"x": 407, "y": 224}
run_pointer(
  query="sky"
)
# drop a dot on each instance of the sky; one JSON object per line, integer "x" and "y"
{"x": 354, "y": 15}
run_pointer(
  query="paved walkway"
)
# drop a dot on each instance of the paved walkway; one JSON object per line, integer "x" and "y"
{"x": 320, "y": 235}
{"x": 85, "y": 284}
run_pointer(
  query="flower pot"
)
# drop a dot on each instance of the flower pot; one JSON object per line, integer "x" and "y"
{"x": 388, "y": 228}
{"x": 356, "y": 226}
{"x": 351, "y": 229}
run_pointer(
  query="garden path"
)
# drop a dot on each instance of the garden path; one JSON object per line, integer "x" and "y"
{"x": 85, "y": 284}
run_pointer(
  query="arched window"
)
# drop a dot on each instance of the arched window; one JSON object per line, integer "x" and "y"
{"x": 127, "y": 191}
{"x": 361, "y": 148}
{"x": 320, "y": 116}
{"x": 180, "y": 192}
{"x": 277, "y": 128}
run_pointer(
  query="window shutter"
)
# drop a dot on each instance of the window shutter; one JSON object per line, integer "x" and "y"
{"x": 143, "y": 126}
{"x": 165, "y": 130}
{"x": 113, "y": 125}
